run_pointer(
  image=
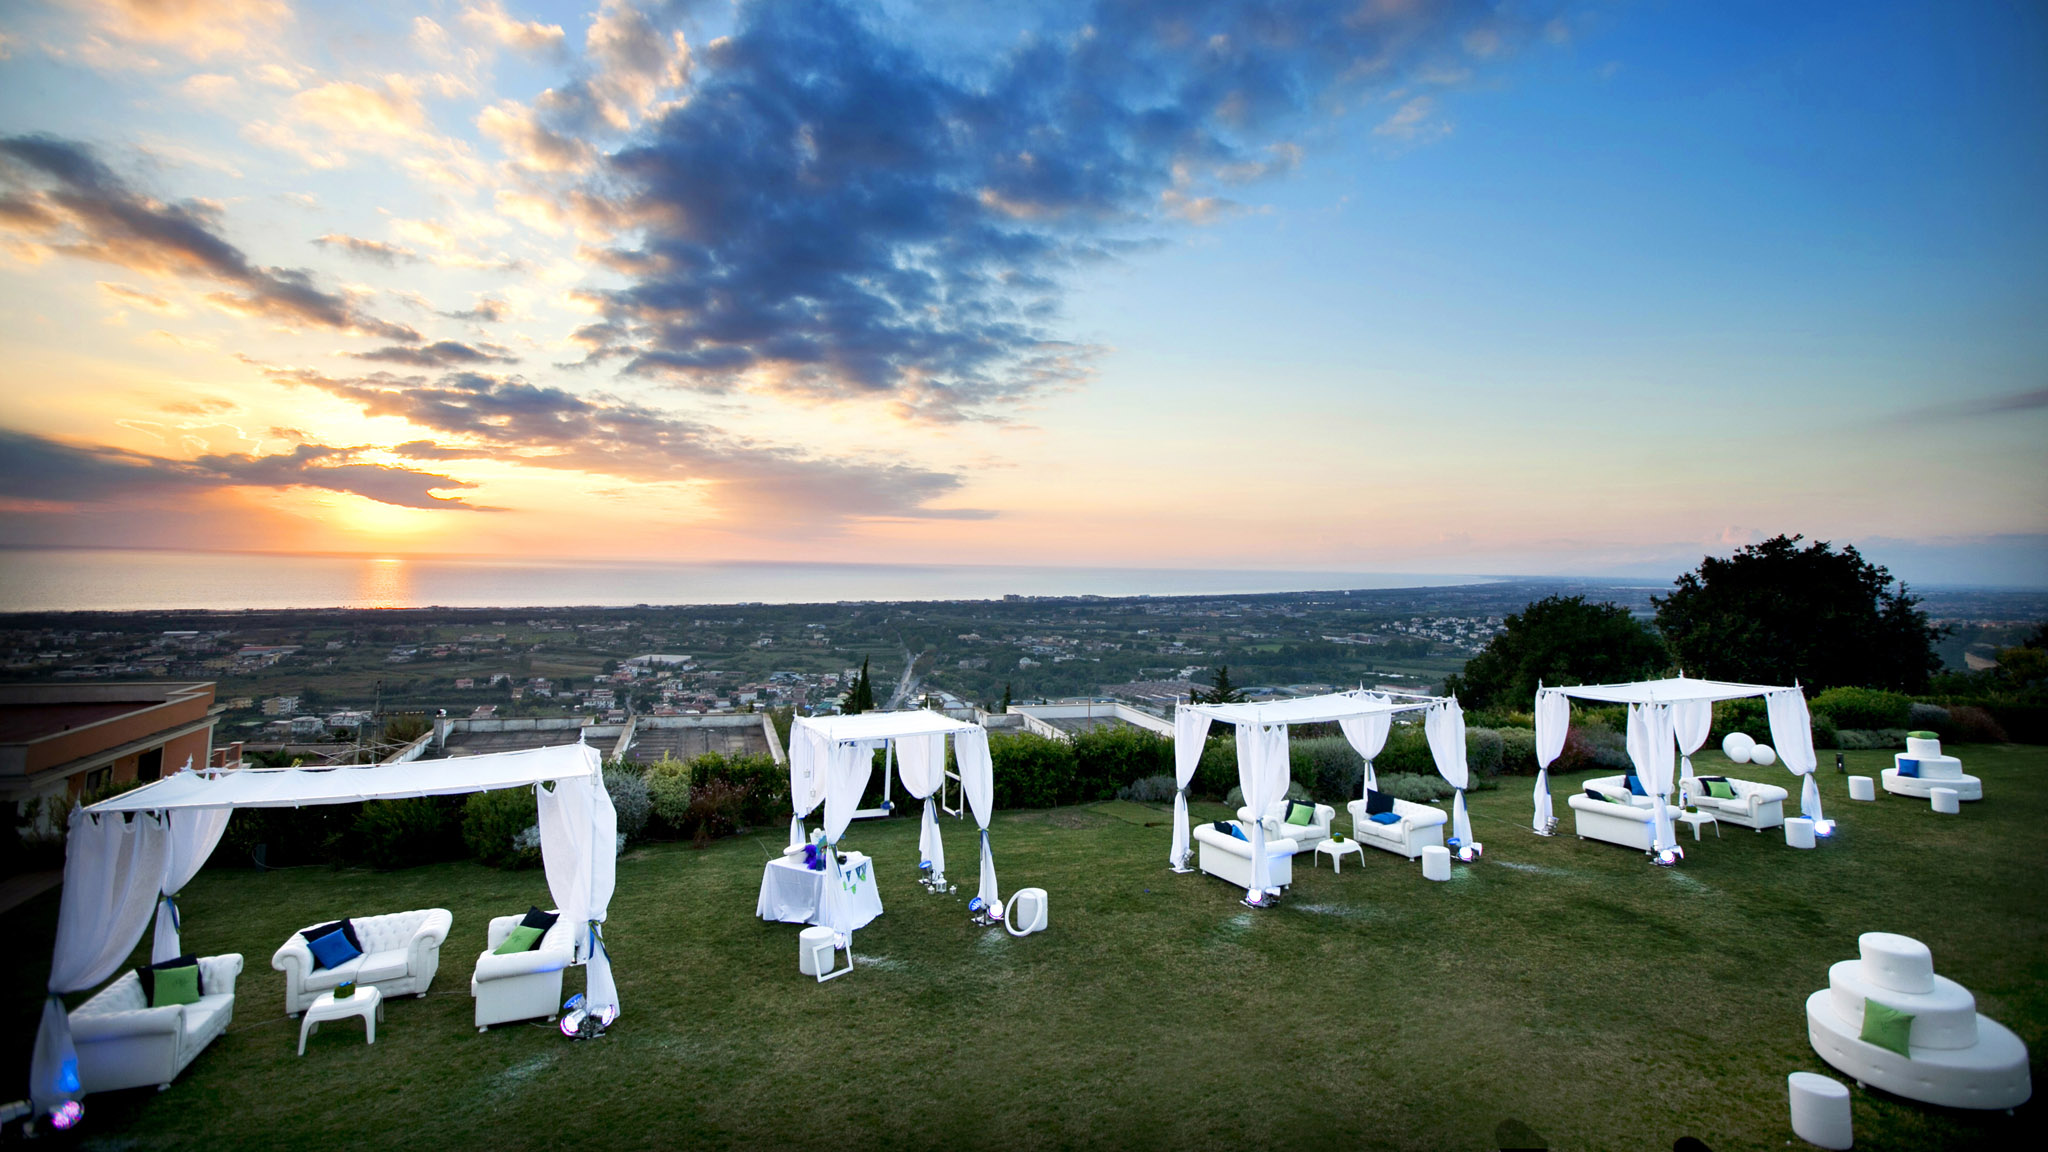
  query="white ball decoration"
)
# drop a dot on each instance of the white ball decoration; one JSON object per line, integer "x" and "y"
{"x": 1738, "y": 747}
{"x": 1763, "y": 754}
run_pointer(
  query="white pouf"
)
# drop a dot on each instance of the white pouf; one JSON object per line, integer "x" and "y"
{"x": 1945, "y": 800}
{"x": 1820, "y": 1110}
{"x": 1862, "y": 788}
{"x": 813, "y": 946}
{"x": 1436, "y": 862}
{"x": 1798, "y": 832}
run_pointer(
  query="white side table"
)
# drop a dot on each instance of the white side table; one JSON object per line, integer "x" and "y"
{"x": 1336, "y": 848}
{"x": 1694, "y": 820}
{"x": 368, "y": 1002}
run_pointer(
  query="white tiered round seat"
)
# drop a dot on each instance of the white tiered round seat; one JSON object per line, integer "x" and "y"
{"x": 1945, "y": 1017}
{"x": 1934, "y": 771}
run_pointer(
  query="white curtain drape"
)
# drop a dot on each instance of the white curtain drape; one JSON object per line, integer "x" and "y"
{"x": 1190, "y": 732}
{"x": 1792, "y": 737}
{"x": 1650, "y": 746}
{"x": 1368, "y": 736}
{"x": 978, "y": 781}
{"x": 848, "y": 768}
{"x": 808, "y": 753}
{"x": 921, "y": 765}
{"x": 579, "y": 851}
{"x": 1444, "y": 727}
{"x": 1553, "y": 721}
{"x": 114, "y": 869}
{"x": 194, "y": 834}
{"x": 1691, "y": 721}
{"x": 1262, "y": 776}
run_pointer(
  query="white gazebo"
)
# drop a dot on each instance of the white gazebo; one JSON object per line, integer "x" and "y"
{"x": 1673, "y": 713}
{"x": 127, "y": 857}
{"x": 1262, "y": 755}
{"x": 832, "y": 757}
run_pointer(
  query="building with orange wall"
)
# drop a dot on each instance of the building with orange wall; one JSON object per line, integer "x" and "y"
{"x": 63, "y": 739}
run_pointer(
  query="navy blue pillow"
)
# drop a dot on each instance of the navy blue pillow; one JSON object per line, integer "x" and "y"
{"x": 1909, "y": 768}
{"x": 1226, "y": 827}
{"x": 1377, "y": 802}
{"x": 342, "y": 925}
{"x": 535, "y": 918}
{"x": 332, "y": 951}
{"x": 1635, "y": 786}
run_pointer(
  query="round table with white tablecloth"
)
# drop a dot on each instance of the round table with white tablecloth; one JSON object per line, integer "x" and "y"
{"x": 791, "y": 892}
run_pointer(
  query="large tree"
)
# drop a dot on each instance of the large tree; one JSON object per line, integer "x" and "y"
{"x": 1221, "y": 691}
{"x": 1777, "y": 613}
{"x": 1558, "y": 640}
{"x": 860, "y": 695}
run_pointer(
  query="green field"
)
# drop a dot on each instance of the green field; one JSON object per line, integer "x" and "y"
{"x": 1568, "y": 985}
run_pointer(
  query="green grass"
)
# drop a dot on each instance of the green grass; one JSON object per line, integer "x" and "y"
{"x": 1565, "y": 984}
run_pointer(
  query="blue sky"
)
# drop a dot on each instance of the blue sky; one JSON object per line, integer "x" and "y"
{"x": 1403, "y": 286}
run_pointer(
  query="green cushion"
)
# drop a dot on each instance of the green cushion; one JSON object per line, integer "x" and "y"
{"x": 1300, "y": 815}
{"x": 178, "y": 985}
{"x": 1720, "y": 790}
{"x": 521, "y": 939}
{"x": 1886, "y": 1027}
{"x": 1923, "y": 735}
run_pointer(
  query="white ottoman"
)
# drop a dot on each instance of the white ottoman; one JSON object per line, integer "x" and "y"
{"x": 1820, "y": 1110}
{"x": 813, "y": 949}
{"x": 1798, "y": 832}
{"x": 1945, "y": 800}
{"x": 1862, "y": 788}
{"x": 1436, "y": 862}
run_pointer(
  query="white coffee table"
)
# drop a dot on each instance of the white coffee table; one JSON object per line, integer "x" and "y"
{"x": 1694, "y": 820}
{"x": 1336, "y": 848}
{"x": 368, "y": 1002}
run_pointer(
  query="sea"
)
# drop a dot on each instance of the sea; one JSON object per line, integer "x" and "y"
{"x": 139, "y": 580}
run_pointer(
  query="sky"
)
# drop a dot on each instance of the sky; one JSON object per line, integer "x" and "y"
{"x": 1394, "y": 286}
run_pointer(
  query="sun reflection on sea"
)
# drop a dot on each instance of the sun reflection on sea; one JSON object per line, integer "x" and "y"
{"x": 385, "y": 582}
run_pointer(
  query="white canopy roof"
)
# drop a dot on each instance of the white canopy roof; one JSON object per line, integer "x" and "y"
{"x": 1306, "y": 709}
{"x": 876, "y": 727}
{"x": 1668, "y": 691}
{"x": 297, "y": 787}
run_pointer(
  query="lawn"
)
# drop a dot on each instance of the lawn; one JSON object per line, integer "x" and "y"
{"x": 1567, "y": 985}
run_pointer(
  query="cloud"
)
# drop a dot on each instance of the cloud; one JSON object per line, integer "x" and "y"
{"x": 2030, "y": 401}
{"x": 139, "y": 298}
{"x": 60, "y": 196}
{"x": 375, "y": 251}
{"x": 198, "y": 28}
{"x": 829, "y": 215}
{"x": 528, "y": 36}
{"x": 442, "y": 354}
{"x": 488, "y": 310}
{"x": 1415, "y": 119}
{"x": 41, "y": 469}
{"x": 774, "y": 490}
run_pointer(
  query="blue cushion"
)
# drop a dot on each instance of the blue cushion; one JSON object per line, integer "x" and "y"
{"x": 1635, "y": 786}
{"x": 332, "y": 950}
{"x": 1385, "y": 817}
{"x": 1909, "y": 768}
{"x": 1239, "y": 833}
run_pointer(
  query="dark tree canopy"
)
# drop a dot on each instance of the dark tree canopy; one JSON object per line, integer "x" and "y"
{"x": 860, "y": 696}
{"x": 1221, "y": 692}
{"x": 1776, "y": 613}
{"x": 1558, "y": 640}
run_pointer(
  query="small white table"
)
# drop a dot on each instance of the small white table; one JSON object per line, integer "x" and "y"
{"x": 1336, "y": 848}
{"x": 792, "y": 893}
{"x": 368, "y": 1002}
{"x": 1694, "y": 820}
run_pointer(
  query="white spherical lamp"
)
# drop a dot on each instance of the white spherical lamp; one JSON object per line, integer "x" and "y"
{"x": 1737, "y": 747}
{"x": 1763, "y": 754}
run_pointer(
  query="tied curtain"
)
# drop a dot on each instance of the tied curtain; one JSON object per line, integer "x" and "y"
{"x": 194, "y": 834}
{"x": 1691, "y": 720}
{"x": 579, "y": 851}
{"x": 1792, "y": 736}
{"x": 978, "y": 780}
{"x": 847, "y": 768}
{"x": 921, "y": 765}
{"x": 1190, "y": 733}
{"x": 1649, "y": 749}
{"x": 808, "y": 754}
{"x": 1262, "y": 776}
{"x": 114, "y": 870}
{"x": 1368, "y": 736}
{"x": 1553, "y": 721}
{"x": 1444, "y": 727}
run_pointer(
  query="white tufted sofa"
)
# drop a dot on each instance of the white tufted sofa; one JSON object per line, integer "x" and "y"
{"x": 1228, "y": 858}
{"x": 401, "y": 953}
{"x": 522, "y": 985}
{"x": 1305, "y": 836}
{"x": 124, "y": 1043}
{"x": 1630, "y": 825}
{"x": 1757, "y": 806}
{"x": 1421, "y": 826}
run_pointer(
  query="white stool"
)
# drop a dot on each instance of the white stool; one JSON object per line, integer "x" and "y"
{"x": 1798, "y": 832}
{"x": 1820, "y": 1110}
{"x": 1944, "y": 800}
{"x": 1862, "y": 788}
{"x": 1436, "y": 863}
{"x": 1027, "y": 912}
{"x": 815, "y": 954}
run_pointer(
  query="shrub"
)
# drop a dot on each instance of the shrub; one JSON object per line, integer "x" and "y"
{"x": 404, "y": 833}
{"x": 1407, "y": 750}
{"x": 289, "y": 836}
{"x": 1031, "y": 771}
{"x": 1587, "y": 747}
{"x": 1518, "y": 751}
{"x": 1235, "y": 797}
{"x": 1110, "y": 757}
{"x": 1414, "y": 787}
{"x": 1484, "y": 749}
{"x": 668, "y": 795}
{"x": 1974, "y": 725}
{"x": 491, "y": 823}
{"x": 1867, "y": 739}
{"x": 1863, "y": 708}
{"x": 715, "y": 809}
{"x": 630, "y": 801}
{"x": 1931, "y": 718}
{"x": 1149, "y": 790}
{"x": 1328, "y": 767}
{"x": 763, "y": 783}
{"x": 1217, "y": 772}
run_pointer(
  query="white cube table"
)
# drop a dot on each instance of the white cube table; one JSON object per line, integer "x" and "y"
{"x": 1820, "y": 1110}
{"x": 1798, "y": 832}
{"x": 1436, "y": 862}
{"x": 1862, "y": 788}
{"x": 1336, "y": 847}
{"x": 1944, "y": 800}
{"x": 368, "y": 1002}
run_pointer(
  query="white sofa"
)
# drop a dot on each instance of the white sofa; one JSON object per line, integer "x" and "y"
{"x": 1228, "y": 858}
{"x": 124, "y": 1043}
{"x": 521, "y": 985}
{"x": 1305, "y": 836}
{"x": 1421, "y": 826}
{"x": 401, "y": 953}
{"x": 1757, "y": 806}
{"x": 1630, "y": 825}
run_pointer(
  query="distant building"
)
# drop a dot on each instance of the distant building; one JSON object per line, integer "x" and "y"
{"x": 281, "y": 706}
{"x": 63, "y": 739}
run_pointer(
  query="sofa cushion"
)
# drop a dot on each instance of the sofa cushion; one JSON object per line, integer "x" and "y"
{"x": 205, "y": 1016}
{"x": 1236, "y": 831}
{"x": 1720, "y": 790}
{"x": 1635, "y": 786}
{"x": 146, "y": 976}
{"x": 344, "y": 926}
{"x": 1887, "y": 1027}
{"x": 174, "y": 982}
{"x": 535, "y": 918}
{"x": 321, "y": 979}
{"x": 523, "y": 938}
{"x": 1300, "y": 815}
{"x": 1909, "y": 767}
{"x": 1377, "y": 802}
{"x": 332, "y": 950}
{"x": 1385, "y": 817}
{"x": 387, "y": 965}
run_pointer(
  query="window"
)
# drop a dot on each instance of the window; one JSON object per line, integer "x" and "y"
{"x": 98, "y": 778}
{"x": 150, "y": 765}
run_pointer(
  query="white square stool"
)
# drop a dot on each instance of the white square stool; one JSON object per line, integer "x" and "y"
{"x": 1798, "y": 832}
{"x": 1820, "y": 1110}
{"x": 1436, "y": 862}
{"x": 1862, "y": 788}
